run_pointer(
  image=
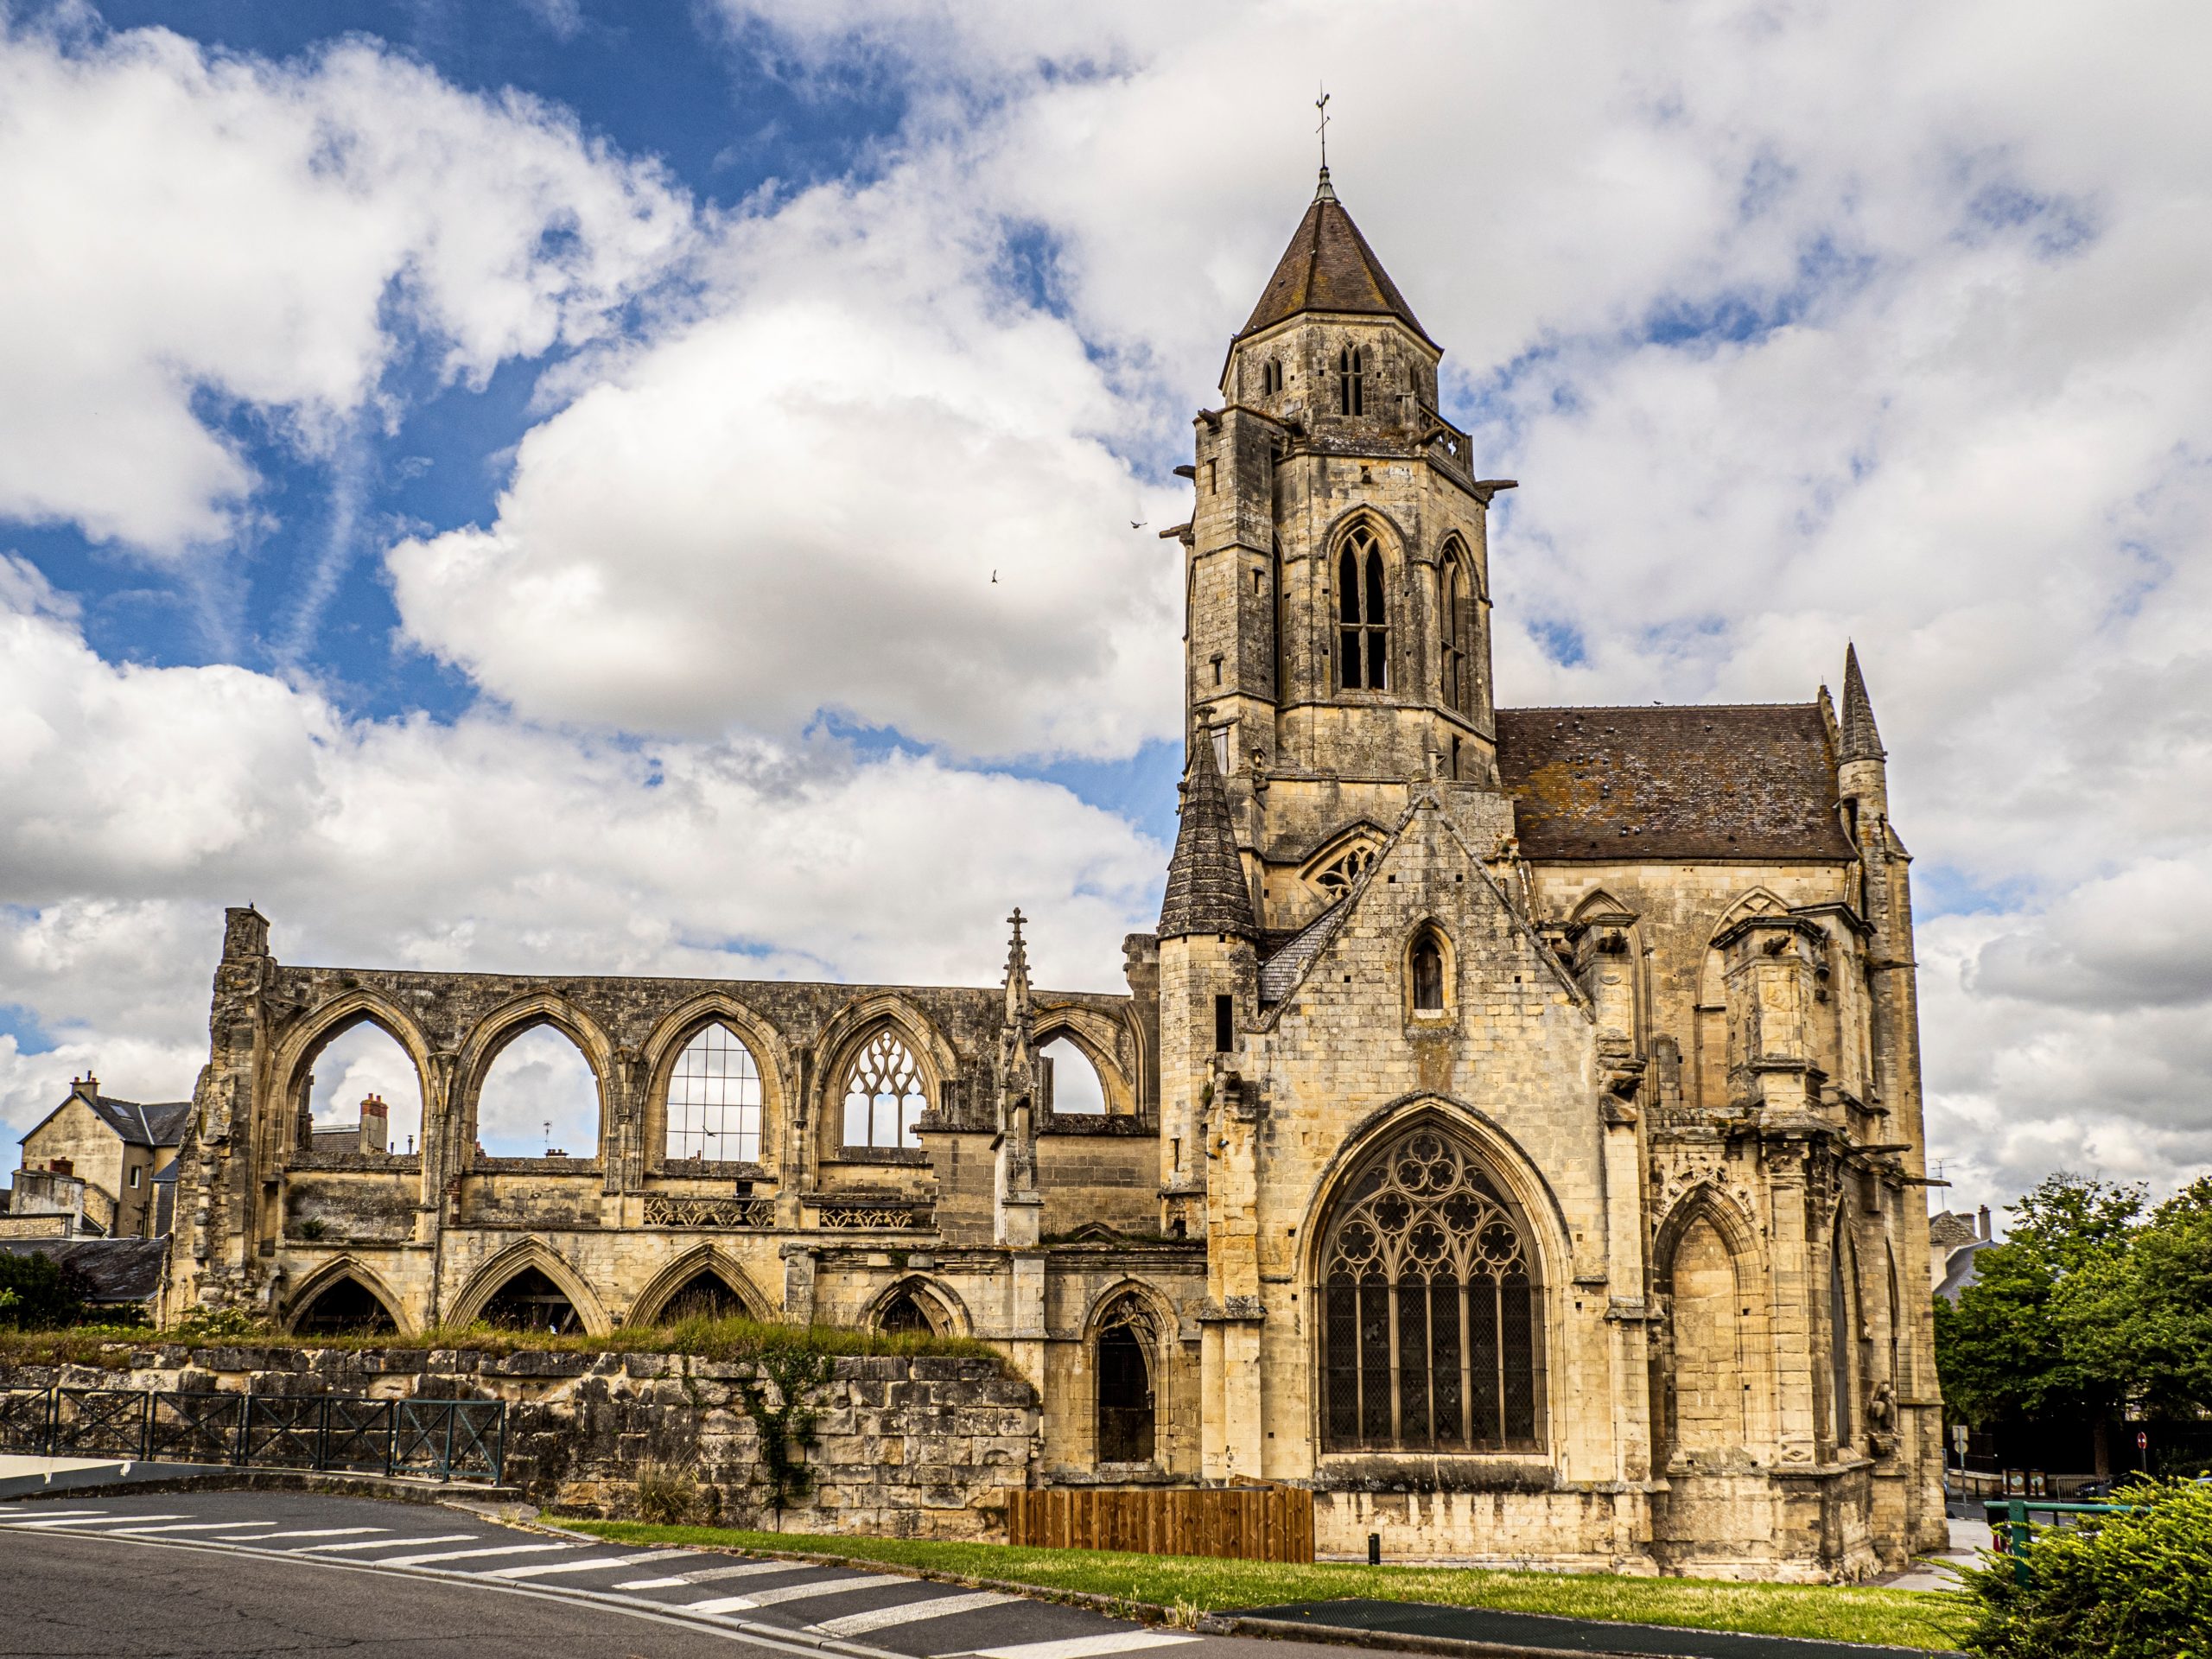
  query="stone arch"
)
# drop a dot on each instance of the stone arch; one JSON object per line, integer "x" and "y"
{"x": 480, "y": 1050}
{"x": 852, "y": 1028}
{"x": 946, "y": 1315}
{"x": 488, "y": 1280}
{"x": 1523, "y": 1324}
{"x": 653, "y": 1301}
{"x": 1339, "y": 864}
{"x": 1100, "y": 1037}
{"x": 1713, "y": 1382}
{"x": 1845, "y": 1367}
{"x": 674, "y": 1031}
{"x": 332, "y": 1273}
{"x": 1126, "y": 1338}
{"x": 1373, "y": 612}
{"x": 296, "y": 1050}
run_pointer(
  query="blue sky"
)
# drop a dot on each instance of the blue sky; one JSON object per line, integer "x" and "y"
{"x": 518, "y": 485}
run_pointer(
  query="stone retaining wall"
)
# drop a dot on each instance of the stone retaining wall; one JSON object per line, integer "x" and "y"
{"x": 906, "y": 1447}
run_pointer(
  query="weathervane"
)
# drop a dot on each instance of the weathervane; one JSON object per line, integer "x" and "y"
{"x": 1322, "y": 104}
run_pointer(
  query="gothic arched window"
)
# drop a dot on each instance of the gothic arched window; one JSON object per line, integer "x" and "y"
{"x": 1427, "y": 965}
{"x": 1432, "y": 1320}
{"x": 1351, "y": 381}
{"x": 1457, "y": 629}
{"x": 903, "y": 1315}
{"x": 714, "y": 1100}
{"x": 1363, "y": 618}
{"x": 1271, "y": 377}
{"x": 883, "y": 1096}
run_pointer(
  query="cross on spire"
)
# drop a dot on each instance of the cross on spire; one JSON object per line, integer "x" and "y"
{"x": 1322, "y": 104}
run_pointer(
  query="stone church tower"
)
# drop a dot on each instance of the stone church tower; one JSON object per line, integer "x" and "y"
{"x": 1511, "y": 1131}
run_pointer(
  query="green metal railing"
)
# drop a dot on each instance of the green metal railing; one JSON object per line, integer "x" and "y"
{"x": 2011, "y": 1531}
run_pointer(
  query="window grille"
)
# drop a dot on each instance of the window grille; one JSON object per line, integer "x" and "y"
{"x": 1363, "y": 632}
{"x": 1431, "y": 1330}
{"x": 1458, "y": 692}
{"x": 714, "y": 1100}
{"x": 1351, "y": 381}
{"x": 883, "y": 1096}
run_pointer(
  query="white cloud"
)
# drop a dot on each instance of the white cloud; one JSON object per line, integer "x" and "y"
{"x": 140, "y": 801}
{"x": 192, "y": 233}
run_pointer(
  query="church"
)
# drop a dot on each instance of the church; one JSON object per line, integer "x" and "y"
{"x": 1511, "y": 1131}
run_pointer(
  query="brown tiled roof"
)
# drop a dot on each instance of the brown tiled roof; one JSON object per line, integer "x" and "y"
{"x": 1329, "y": 267}
{"x": 1723, "y": 781}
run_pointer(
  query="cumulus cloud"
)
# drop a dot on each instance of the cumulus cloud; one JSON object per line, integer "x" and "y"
{"x": 141, "y": 801}
{"x": 197, "y": 234}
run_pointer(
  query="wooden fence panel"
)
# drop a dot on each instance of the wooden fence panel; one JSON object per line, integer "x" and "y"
{"x": 1252, "y": 1524}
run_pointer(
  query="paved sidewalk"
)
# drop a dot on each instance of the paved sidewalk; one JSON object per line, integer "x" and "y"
{"x": 1536, "y": 1634}
{"x": 30, "y": 1476}
{"x": 1969, "y": 1540}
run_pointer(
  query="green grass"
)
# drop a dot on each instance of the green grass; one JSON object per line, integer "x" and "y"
{"x": 716, "y": 1339}
{"x": 1902, "y": 1618}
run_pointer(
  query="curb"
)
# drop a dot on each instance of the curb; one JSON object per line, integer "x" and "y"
{"x": 1345, "y": 1636}
{"x": 285, "y": 1480}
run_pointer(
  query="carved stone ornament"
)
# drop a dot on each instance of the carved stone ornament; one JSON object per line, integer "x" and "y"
{"x": 663, "y": 1209}
{"x": 871, "y": 1215}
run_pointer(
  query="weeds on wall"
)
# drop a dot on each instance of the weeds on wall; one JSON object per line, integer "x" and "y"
{"x": 786, "y": 1428}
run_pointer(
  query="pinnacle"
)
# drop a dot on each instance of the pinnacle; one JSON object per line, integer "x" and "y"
{"x": 1861, "y": 740}
{"x": 1206, "y": 891}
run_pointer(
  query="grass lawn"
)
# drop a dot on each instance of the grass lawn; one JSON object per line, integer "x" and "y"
{"x": 1199, "y": 1583}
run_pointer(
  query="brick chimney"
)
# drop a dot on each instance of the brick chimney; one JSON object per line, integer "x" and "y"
{"x": 86, "y": 1088}
{"x": 376, "y": 1125}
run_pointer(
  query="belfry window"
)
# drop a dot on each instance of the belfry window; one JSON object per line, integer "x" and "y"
{"x": 1271, "y": 377}
{"x": 883, "y": 1097}
{"x": 714, "y": 1100}
{"x": 1431, "y": 1317}
{"x": 1457, "y": 627}
{"x": 1351, "y": 381}
{"x": 1363, "y": 617}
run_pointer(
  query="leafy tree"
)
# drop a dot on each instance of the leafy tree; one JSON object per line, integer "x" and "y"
{"x": 37, "y": 1293}
{"x": 2010, "y": 1347}
{"x": 2142, "y": 1318}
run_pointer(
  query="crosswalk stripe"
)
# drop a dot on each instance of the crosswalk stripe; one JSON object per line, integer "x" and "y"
{"x": 304, "y": 1532}
{"x": 94, "y": 1520}
{"x": 42, "y": 1512}
{"x": 541, "y": 1569}
{"x": 400, "y": 1541}
{"x": 1085, "y": 1647}
{"x": 708, "y": 1575}
{"x": 469, "y": 1555}
{"x": 913, "y": 1612}
{"x": 201, "y": 1526}
{"x": 825, "y": 1587}
{"x": 718, "y": 1605}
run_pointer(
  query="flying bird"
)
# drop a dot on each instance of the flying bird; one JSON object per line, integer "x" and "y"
{"x": 1133, "y": 524}
{"x": 995, "y": 578}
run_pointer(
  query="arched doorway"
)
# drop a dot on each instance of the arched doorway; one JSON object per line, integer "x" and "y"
{"x": 1126, "y": 1406}
{"x": 531, "y": 1301}
{"x": 903, "y": 1316}
{"x": 1431, "y": 1315}
{"x": 345, "y": 1308}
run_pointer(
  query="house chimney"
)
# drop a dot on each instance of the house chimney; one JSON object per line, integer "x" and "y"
{"x": 1982, "y": 1222}
{"x": 86, "y": 1088}
{"x": 376, "y": 1122}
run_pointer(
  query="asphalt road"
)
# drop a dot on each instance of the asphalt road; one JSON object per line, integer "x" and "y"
{"x": 249, "y": 1574}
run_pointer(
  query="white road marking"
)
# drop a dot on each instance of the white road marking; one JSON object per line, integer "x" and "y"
{"x": 826, "y": 1587}
{"x": 95, "y": 1520}
{"x": 394, "y": 1544}
{"x": 307, "y": 1532}
{"x": 719, "y": 1605}
{"x": 468, "y": 1555}
{"x": 708, "y": 1575}
{"x": 1085, "y": 1647}
{"x": 43, "y": 1511}
{"x": 201, "y": 1526}
{"x": 540, "y": 1569}
{"x": 911, "y": 1612}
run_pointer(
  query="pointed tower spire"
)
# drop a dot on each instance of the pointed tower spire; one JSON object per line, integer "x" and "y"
{"x": 1206, "y": 890}
{"x": 1861, "y": 742}
{"x": 1017, "y": 972}
{"x": 1329, "y": 267}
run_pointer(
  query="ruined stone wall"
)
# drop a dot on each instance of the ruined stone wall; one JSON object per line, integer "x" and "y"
{"x": 917, "y": 1448}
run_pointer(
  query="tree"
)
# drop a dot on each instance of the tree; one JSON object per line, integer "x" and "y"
{"x": 2012, "y": 1347}
{"x": 37, "y": 1293}
{"x": 2141, "y": 1318}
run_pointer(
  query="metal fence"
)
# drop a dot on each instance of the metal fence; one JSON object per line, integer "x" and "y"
{"x": 435, "y": 1439}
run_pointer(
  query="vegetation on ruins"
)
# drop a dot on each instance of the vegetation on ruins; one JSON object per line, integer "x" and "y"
{"x": 785, "y": 1420}
{"x": 36, "y": 1294}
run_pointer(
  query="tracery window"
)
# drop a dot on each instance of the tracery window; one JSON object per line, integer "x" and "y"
{"x": 1459, "y": 690}
{"x": 1431, "y": 1328}
{"x": 883, "y": 1096}
{"x": 1338, "y": 879}
{"x": 1363, "y": 618}
{"x": 714, "y": 1100}
{"x": 1351, "y": 381}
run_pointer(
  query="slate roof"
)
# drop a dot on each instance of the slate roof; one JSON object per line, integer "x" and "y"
{"x": 1206, "y": 891}
{"x": 1329, "y": 267}
{"x": 160, "y": 1124}
{"x": 1717, "y": 781}
{"x": 118, "y": 1270}
{"x": 1287, "y": 960}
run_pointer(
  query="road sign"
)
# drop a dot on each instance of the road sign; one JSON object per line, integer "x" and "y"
{"x": 1958, "y": 1438}
{"x": 2142, "y": 1441}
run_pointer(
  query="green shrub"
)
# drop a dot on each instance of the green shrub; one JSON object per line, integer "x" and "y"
{"x": 37, "y": 1293}
{"x": 667, "y": 1494}
{"x": 2131, "y": 1585}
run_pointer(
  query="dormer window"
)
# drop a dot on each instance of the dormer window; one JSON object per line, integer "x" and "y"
{"x": 1351, "y": 381}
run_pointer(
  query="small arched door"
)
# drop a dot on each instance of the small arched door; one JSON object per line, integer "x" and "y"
{"x": 1125, "y": 1395}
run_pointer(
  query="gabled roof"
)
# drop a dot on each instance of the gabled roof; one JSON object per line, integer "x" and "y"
{"x": 1206, "y": 890}
{"x": 1329, "y": 267}
{"x": 1713, "y": 781}
{"x": 160, "y": 1124}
